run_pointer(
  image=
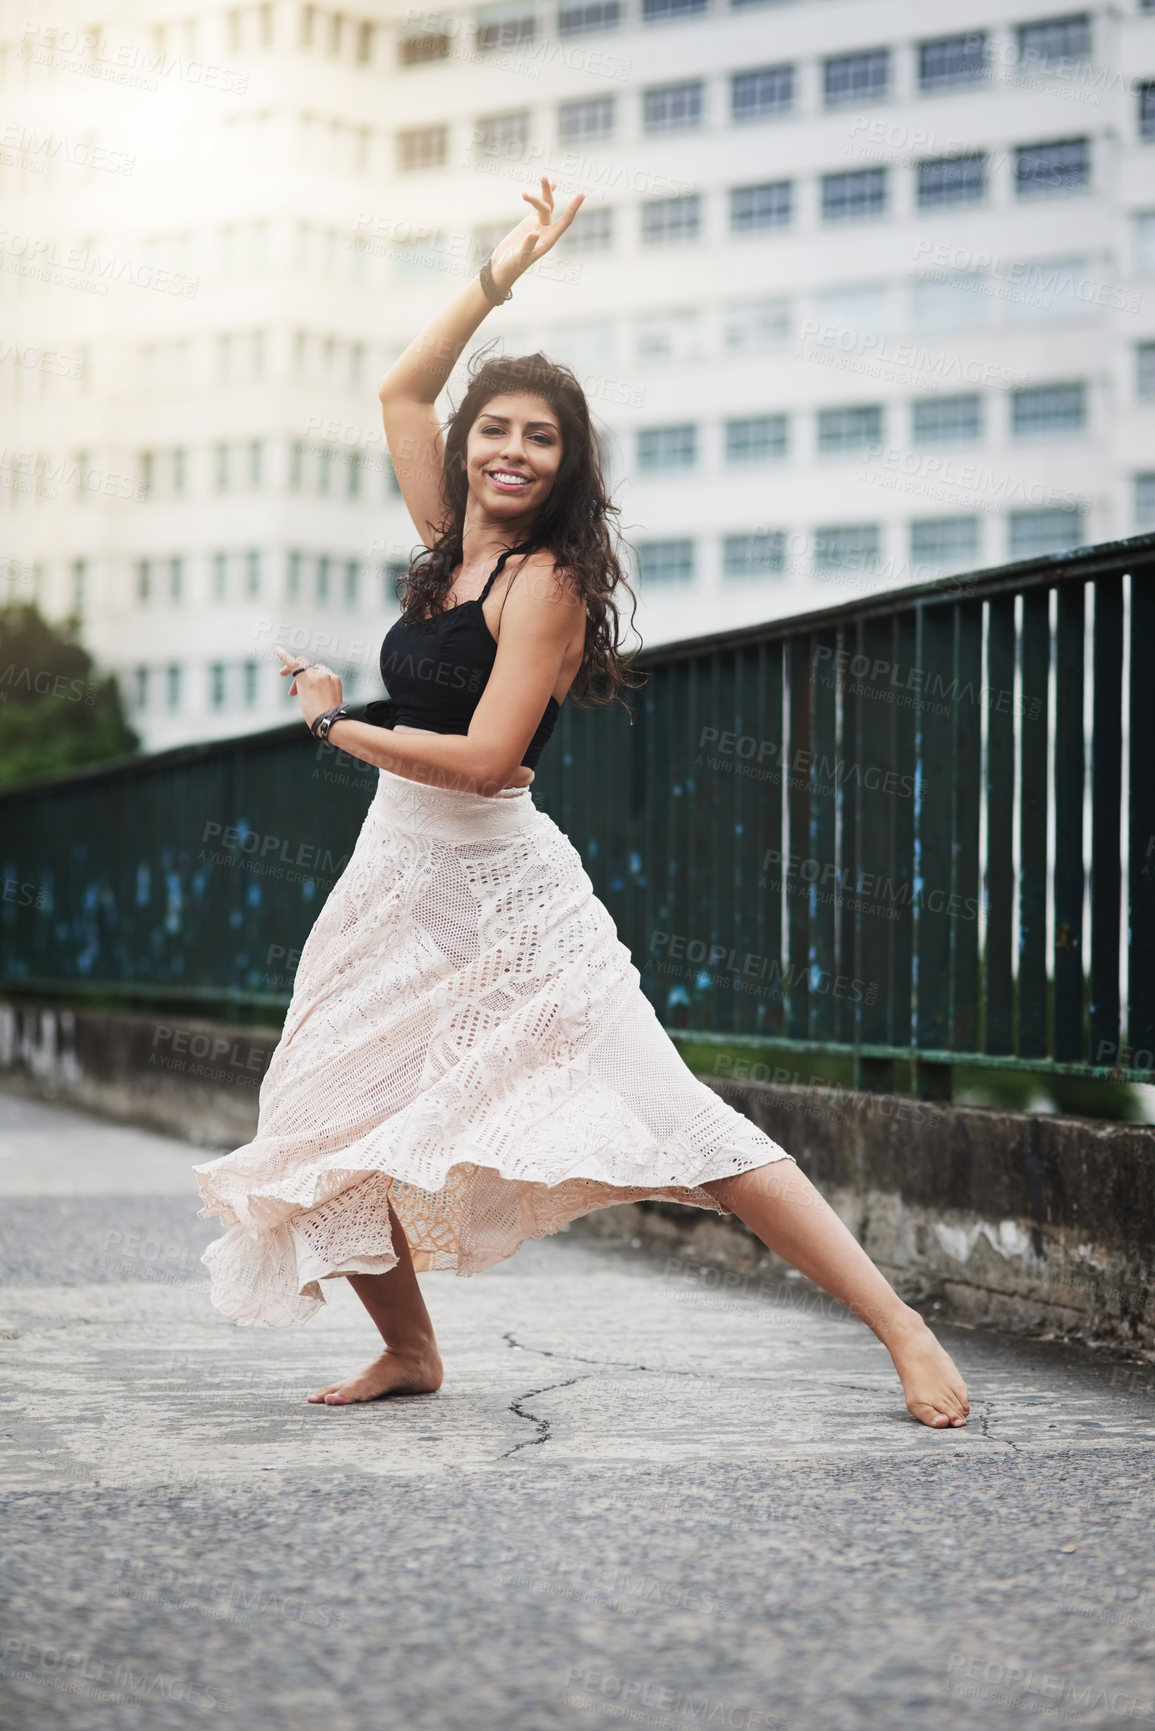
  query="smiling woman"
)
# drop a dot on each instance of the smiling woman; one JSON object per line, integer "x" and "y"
{"x": 468, "y": 1059}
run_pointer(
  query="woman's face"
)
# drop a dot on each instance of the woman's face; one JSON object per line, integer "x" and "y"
{"x": 512, "y": 455}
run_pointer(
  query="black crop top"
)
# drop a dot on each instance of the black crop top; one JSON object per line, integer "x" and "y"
{"x": 436, "y": 670}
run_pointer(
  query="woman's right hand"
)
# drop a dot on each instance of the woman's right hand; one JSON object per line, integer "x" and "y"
{"x": 534, "y": 235}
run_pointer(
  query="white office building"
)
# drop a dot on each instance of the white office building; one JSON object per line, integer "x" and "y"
{"x": 861, "y": 294}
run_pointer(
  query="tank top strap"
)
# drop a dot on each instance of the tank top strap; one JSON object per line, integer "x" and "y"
{"x": 523, "y": 547}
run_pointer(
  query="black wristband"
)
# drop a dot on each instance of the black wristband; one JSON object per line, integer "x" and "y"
{"x": 489, "y": 288}
{"x": 320, "y": 725}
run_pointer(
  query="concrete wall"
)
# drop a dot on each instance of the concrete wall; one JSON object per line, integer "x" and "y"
{"x": 1044, "y": 1224}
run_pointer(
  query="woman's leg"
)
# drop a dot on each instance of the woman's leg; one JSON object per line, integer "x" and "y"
{"x": 780, "y": 1204}
{"x": 411, "y": 1363}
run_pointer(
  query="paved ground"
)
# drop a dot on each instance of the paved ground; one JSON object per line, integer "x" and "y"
{"x": 637, "y": 1499}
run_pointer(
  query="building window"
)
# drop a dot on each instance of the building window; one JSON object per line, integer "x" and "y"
{"x": 176, "y": 579}
{"x": 765, "y": 91}
{"x": 1146, "y": 95}
{"x": 595, "y": 232}
{"x": 502, "y": 28}
{"x": 324, "y": 567}
{"x": 252, "y": 573}
{"x": 1145, "y": 370}
{"x": 79, "y": 584}
{"x": 845, "y": 547}
{"x": 593, "y": 117}
{"x": 952, "y": 180}
{"x": 856, "y": 77}
{"x": 353, "y": 467}
{"x": 950, "y": 60}
{"x": 296, "y": 465}
{"x": 352, "y": 582}
{"x": 666, "y": 561}
{"x": 1064, "y": 166}
{"x": 668, "y": 336}
{"x": 947, "y": 420}
{"x": 1047, "y": 41}
{"x": 669, "y": 107}
{"x": 956, "y": 300}
{"x": 221, "y": 468}
{"x": 762, "y": 554}
{"x": 140, "y": 691}
{"x": 654, "y": 11}
{"x": 756, "y": 208}
{"x": 850, "y": 197}
{"x": 251, "y": 671}
{"x": 324, "y": 469}
{"x": 1054, "y": 529}
{"x": 146, "y": 474}
{"x": 668, "y": 220}
{"x": 757, "y": 438}
{"x": 293, "y": 577}
{"x": 751, "y": 327}
{"x": 422, "y": 147}
{"x": 220, "y": 576}
{"x": 587, "y": 15}
{"x": 419, "y": 49}
{"x": 143, "y": 580}
{"x": 217, "y": 685}
{"x": 503, "y": 134}
{"x": 1144, "y": 503}
{"x": 945, "y": 541}
{"x": 1043, "y": 409}
{"x": 256, "y": 462}
{"x": 173, "y": 682}
{"x": 841, "y": 431}
{"x": 667, "y": 447}
{"x": 179, "y": 470}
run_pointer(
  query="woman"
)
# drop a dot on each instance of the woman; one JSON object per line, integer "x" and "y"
{"x": 468, "y": 1059}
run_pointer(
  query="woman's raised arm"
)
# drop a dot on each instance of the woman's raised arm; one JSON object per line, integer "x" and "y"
{"x": 420, "y": 374}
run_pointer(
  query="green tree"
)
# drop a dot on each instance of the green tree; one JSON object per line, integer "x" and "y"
{"x": 56, "y": 712}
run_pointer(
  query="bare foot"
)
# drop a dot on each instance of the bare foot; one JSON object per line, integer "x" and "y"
{"x": 392, "y": 1373}
{"x": 935, "y": 1392}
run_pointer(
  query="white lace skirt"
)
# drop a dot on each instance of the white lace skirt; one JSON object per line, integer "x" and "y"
{"x": 467, "y": 1039}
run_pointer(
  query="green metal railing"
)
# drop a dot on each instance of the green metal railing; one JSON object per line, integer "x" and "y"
{"x": 917, "y": 829}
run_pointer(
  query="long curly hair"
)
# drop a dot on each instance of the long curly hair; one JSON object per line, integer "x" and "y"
{"x": 573, "y": 524}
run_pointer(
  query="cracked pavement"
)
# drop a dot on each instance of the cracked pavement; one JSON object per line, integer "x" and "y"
{"x": 642, "y": 1494}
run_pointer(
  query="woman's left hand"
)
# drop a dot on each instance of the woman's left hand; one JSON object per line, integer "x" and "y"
{"x": 317, "y": 686}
